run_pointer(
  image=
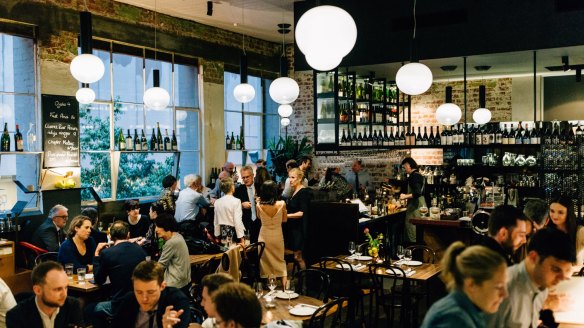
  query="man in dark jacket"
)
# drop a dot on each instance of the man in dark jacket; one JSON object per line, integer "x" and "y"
{"x": 152, "y": 300}
{"x": 507, "y": 231}
{"x": 50, "y": 307}
{"x": 50, "y": 234}
{"x": 246, "y": 193}
{"x": 116, "y": 262}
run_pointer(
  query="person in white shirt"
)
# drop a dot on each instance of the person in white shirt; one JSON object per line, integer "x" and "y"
{"x": 7, "y": 302}
{"x": 359, "y": 179}
{"x": 190, "y": 200}
{"x": 228, "y": 214}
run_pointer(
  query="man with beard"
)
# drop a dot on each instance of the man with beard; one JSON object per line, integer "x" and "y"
{"x": 50, "y": 307}
{"x": 507, "y": 231}
{"x": 548, "y": 262}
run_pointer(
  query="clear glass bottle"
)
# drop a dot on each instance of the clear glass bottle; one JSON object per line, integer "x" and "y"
{"x": 31, "y": 144}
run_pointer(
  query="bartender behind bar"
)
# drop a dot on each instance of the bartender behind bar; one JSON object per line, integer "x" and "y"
{"x": 415, "y": 197}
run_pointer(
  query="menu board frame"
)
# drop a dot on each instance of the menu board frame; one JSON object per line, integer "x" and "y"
{"x": 60, "y": 129}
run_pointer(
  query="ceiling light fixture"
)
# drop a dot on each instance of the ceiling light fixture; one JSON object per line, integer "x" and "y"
{"x": 86, "y": 68}
{"x": 285, "y": 121}
{"x": 243, "y": 92}
{"x": 482, "y": 115}
{"x": 414, "y": 78}
{"x": 325, "y": 34}
{"x": 448, "y": 113}
{"x": 85, "y": 95}
{"x": 156, "y": 98}
{"x": 284, "y": 90}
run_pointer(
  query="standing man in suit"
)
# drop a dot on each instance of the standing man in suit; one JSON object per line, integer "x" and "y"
{"x": 50, "y": 234}
{"x": 116, "y": 262}
{"x": 50, "y": 307}
{"x": 246, "y": 194}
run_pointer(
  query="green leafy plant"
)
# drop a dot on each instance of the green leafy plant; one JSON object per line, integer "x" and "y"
{"x": 373, "y": 242}
{"x": 284, "y": 150}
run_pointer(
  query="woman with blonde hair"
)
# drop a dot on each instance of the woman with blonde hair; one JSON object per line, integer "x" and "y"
{"x": 297, "y": 206}
{"x": 477, "y": 280}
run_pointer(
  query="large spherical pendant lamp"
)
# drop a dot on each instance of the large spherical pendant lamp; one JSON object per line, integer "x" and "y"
{"x": 448, "y": 113}
{"x": 156, "y": 98}
{"x": 323, "y": 61}
{"x": 284, "y": 90}
{"x": 285, "y": 121}
{"x": 285, "y": 110}
{"x": 85, "y": 95}
{"x": 326, "y": 30}
{"x": 414, "y": 79}
{"x": 244, "y": 93}
{"x": 86, "y": 68}
{"x": 482, "y": 115}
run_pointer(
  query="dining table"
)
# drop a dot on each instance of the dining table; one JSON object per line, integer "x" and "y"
{"x": 86, "y": 286}
{"x": 280, "y": 310}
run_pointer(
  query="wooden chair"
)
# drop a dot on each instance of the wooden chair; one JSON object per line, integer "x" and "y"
{"x": 250, "y": 264}
{"x": 330, "y": 313}
{"x": 48, "y": 256}
{"x": 30, "y": 252}
{"x": 312, "y": 282}
{"x": 422, "y": 253}
{"x": 386, "y": 280}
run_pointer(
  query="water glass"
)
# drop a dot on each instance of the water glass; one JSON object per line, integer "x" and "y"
{"x": 289, "y": 290}
{"x": 81, "y": 276}
{"x": 271, "y": 282}
{"x": 69, "y": 270}
{"x": 400, "y": 252}
{"x": 352, "y": 247}
{"x": 259, "y": 289}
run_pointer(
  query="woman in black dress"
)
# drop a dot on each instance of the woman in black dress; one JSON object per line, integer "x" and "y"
{"x": 297, "y": 206}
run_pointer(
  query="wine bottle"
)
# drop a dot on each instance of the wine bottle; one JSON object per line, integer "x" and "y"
{"x": 137, "y": 143}
{"x": 526, "y": 138}
{"x": 511, "y": 136}
{"x": 31, "y": 138}
{"x": 159, "y": 137}
{"x": 5, "y": 140}
{"x": 402, "y": 136}
{"x": 555, "y": 137}
{"x": 237, "y": 143}
{"x": 343, "y": 140}
{"x": 354, "y": 140}
{"x": 129, "y": 141}
{"x": 450, "y": 137}
{"x": 232, "y": 141}
{"x": 431, "y": 136}
{"x": 425, "y": 140}
{"x": 385, "y": 141}
{"x": 498, "y": 134}
{"x": 121, "y": 141}
{"x": 491, "y": 134}
{"x": 437, "y": 138}
{"x": 443, "y": 137}
{"x": 390, "y": 140}
{"x": 471, "y": 135}
{"x": 349, "y": 141}
{"x": 455, "y": 134}
{"x": 519, "y": 134}
{"x": 167, "y": 144}
{"x": 227, "y": 142}
{"x": 579, "y": 132}
{"x": 539, "y": 134}
{"x": 212, "y": 176}
{"x": 153, "y": 141}
{"x": 570, "y": 136}
{"x": 18, "y": 141}
{"x": 143, "y": 142}
{"x": 174, "y": 142}
{"x": 412, "y": 137}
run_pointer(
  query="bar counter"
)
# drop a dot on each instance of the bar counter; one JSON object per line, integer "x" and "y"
{"x": 439, "y": 234}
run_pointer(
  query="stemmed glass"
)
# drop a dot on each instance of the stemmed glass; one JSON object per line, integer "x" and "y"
{"x": 357, "y": 252}
{"x": 400, "y": 252}
{"x": 271, "y": 283}
{"x": 423, "y": 211}
{"x": 289, "y": 290}
{"x": 352, "y": 248}
{"x": 259, "y": 289}
{"x": 407, "y": 259}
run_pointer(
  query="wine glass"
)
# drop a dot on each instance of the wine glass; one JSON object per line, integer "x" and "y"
{"x": 423, "y": 211}
{"x": 407, "y": 258}
{"x": 357, "y": 252}
{"x": 289, "y": 291}
{"x": 400, "y": 252}
{"x": 259, "y": 289}
{"x": 352, "y": 248}
{"x": 271, "y": 283}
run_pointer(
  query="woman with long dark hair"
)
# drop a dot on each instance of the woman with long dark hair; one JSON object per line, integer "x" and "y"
{"x": 563, "y": 218}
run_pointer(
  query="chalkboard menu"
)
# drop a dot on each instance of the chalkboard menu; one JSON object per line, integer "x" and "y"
{"x": 60, "y": 130}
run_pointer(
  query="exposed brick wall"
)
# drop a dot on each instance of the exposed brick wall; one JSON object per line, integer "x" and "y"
{"x": 212, "y": 71}
{"x": 61, "y": 47}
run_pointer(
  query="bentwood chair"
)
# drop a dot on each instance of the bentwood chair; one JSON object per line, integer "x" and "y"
{"x": 386, "y": 280}
{"x": 30, "y": 253}
{"x": 329, "y": 314}
{"x": 312, "y": 282}
{"x": 250, "y": 264}
{"x": 422, "y": 253}
{"x": 49, "y": 256}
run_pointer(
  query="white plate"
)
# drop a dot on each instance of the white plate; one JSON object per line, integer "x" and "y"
{"x": 89, "y": 276}
{"x": 363, "y": 258}
{"x": 302, "y": 310}
{"x": 412, "y": 263}
{"x": 284, "y": 296}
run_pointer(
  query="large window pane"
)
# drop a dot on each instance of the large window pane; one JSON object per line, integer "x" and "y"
{"x": 271, "y": 129}
{"x": 96, "y": 173}
{"x": 256, "y": 105}
{"x": 129, "y": 116}
{"x": 17, "y": 109}
{"x": 253, "y": 131}
{"x": 16, "y": 64}
{"x": 164, "y": 117}
{"x": 94, "y": 121}
{"x": 233, "y": 123}
{"x": 102, "y": 88}
{"x": 165, "y": 69}
{"x": 187, "y": 123}
{"x": 189, "y": 164}
{"x": 230, "y": 81}
{"x": 186, "y": 84}
{"x": 128, "y": 78}
{"x": 141, "y": 174}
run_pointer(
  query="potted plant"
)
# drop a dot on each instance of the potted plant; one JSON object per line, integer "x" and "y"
{"x": 373, "y": 244}
{"x": 284, "y": 150}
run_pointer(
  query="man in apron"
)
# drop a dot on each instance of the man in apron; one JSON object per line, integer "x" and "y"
{"x": 415, "y": 197}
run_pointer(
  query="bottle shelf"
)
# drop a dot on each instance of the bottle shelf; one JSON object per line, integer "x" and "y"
{"x": 21, "y": 152}
{"x": 325, "y": 95}
{"x": 148, "y": 151}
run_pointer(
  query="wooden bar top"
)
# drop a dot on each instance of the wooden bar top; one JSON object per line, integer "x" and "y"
{"x": 440, "y": 223}
{"x": 399, "y": 214}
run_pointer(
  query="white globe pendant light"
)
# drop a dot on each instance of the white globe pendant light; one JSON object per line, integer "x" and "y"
{"x": 448, "y": 113}
{"x": 482, "y": 115}
{"x": 414, "y": 79}
{"x": 284, "y": 90}
{"x": 85, "y": 95}
{"x": 325, "y": 30}
{"x": 243, "y": 92}
{"x": 156, "y": 98}
{"x": 285, "y": 121}
{"x": 86, "y": 68}
{"x": 285, "y": 110}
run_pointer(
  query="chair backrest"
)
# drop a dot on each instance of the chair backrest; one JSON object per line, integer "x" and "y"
{"x": 30, "y": 253}
{"x": 250, "y": 264}
{"x": 48, "y": 256}
{"x": 581, "y": 273}
{"x": 331, "y": 312}
{"x": 342, "y": 281}
{"x": 312, "y": 282}
{"x": 386, "y": 278}
{"x": 422, "y": 253}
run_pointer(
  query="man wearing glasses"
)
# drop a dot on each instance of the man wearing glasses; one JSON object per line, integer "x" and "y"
{"x": 50, "y": 234}
{"x": 246, "y": 193}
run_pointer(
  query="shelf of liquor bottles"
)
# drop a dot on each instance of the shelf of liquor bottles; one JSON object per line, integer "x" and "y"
{"x": 355, "y": 104}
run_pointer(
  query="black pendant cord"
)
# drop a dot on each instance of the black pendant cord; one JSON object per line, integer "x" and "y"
{"x": 534, "y": 86}
{"x": 413, "y": 43}
{"x": 464, "y": 90}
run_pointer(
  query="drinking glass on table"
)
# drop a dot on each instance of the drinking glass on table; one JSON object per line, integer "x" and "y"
{"x": 69, "y": 270}
{"x": 271, "y": 282}
{"x": 352, "y": 248}
{"x": 81, "y": 276}
{"x": 407, "y": 258}
{"x": 400, "y": 252}
{"x": 357, "y": 251}
{"x": 259, "y": 289}
{"x": 423, "y": 211}
{"x": 289, "y": 290}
